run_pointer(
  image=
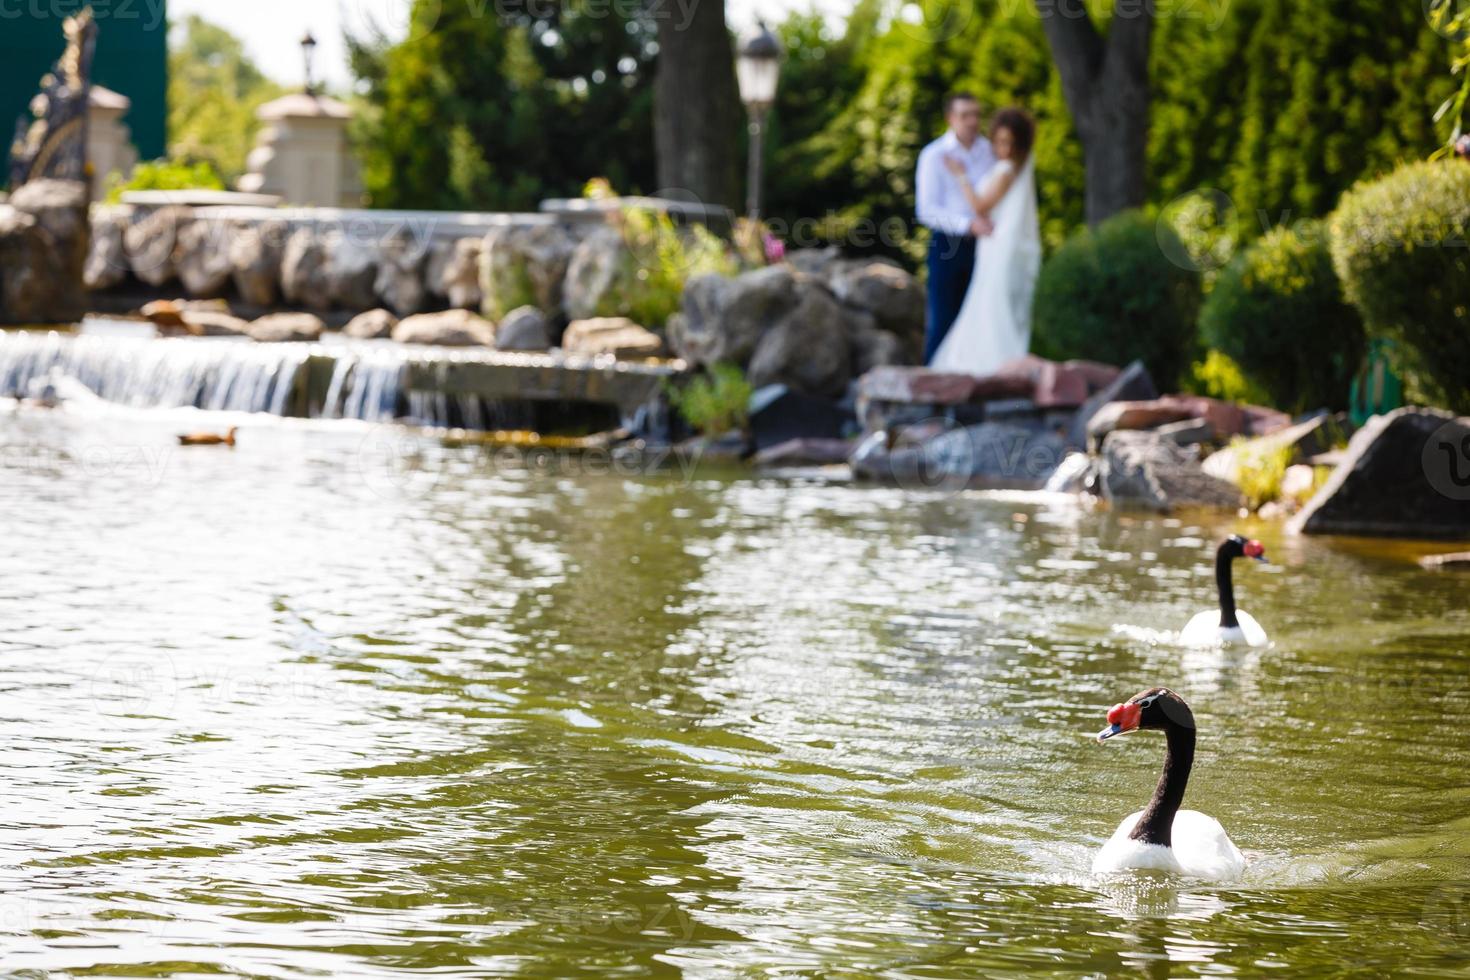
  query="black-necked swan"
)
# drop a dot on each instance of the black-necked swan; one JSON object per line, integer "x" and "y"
{"x": 1162, "y": 837}
{"x": 1228, "y": 626}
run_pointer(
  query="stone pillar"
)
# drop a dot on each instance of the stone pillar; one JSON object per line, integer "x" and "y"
{"x": 303, "y": 155}
{"x": 109, "y": 142}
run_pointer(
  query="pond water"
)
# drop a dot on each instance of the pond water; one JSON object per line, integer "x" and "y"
{"x": 347, "y": 702}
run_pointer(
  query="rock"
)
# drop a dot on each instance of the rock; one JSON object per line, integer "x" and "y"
{"x": 917, "y": 386}
{"x": 400, "y": 280}
{"x": 1060, "y": 385}
{"x": 256, "y": 253}
{"x": 1458, "y": 561}
{"x": 1132, "y": 384}
{"x": 1226, "y": 419}
{"x": 1406, "y": 475}
{"x": 527, "y": 266}
{"x": 723, "y": 319}
{"x": 779, "y": 415}
{"x": 60, "y": 208}
{"x": 523, "y": 329}
{"x": 287, "y": 327}
{"x": 107, "y": 262}
{"x": 440, "y": 253}
{"x": 1134, "y": 416}
{"x": 806, "y": 349}
{"x": 209, "y": 323}
{"x": 1190, "y": 432}
{"x": 202, "y": 258}
{"x": 804, "y": 452}
{"x": 151, "y": 241}
{"x": 452, "y": 328}
{"x": 1306, "y": 440}
{"x": 883, "y": 289}
{"x": 372, "y": 325}
{"x": 817, "y": 262}
{"x": 1142, "y": 470}
{"x": 351, "y": 272}
{"x": 993, "y": 455}
{"x": 27, "y": 289}
{"x": 614, "y": 335}
{"x": 592, "y": 275}
{"x": 457, "y": 275}
{"x": 304, "y": 278}
{"x": 168, "y": 314}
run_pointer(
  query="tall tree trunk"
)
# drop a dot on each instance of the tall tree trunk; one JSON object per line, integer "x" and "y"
{"x": 697, "y": 114}
{"x": 1105, "y": 82}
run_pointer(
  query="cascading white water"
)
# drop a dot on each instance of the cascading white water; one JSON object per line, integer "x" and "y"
{"x": 215, "y": 374}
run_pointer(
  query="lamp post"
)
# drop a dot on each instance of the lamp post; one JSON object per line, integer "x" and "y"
{"x": 757, "y": 69}
{"x": 308, "y": 54}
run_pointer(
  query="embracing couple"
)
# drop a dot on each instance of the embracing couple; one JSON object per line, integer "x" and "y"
{"x": 977, "y": 195}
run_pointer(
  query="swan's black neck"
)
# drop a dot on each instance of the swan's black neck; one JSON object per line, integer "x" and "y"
{"x": 1223, "y": 561}
{"x": 1156, "y": 825}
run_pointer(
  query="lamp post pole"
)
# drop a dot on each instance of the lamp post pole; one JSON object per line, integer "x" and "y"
{"x": 308, "y": 54}
{"x": 758, "y": 69}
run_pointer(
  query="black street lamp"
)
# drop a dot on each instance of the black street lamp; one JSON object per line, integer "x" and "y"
{"x": 308, "y": 53}
{"x": 757, "y": 69}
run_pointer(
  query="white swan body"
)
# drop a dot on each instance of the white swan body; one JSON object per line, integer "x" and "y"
{"x": 1201, "y": 849}
{"x": 1204, "y": 630}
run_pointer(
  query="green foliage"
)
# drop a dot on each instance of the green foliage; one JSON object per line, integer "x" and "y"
{"x": 213, "y": 93}
{"x": 1278, "y": 311}
{"x": 1218, "y": 376}
{"x": 1113, "y": 294}
{"x": 1401, "y": 247}
{"x": 166, "y": 175}
{"x": 1260, "y": 469}
{"x": 1452, "y": 20}
{"x": 716, "y": 402}
{"x": 494, "y": 107}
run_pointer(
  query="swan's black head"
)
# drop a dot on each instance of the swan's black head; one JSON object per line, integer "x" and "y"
{"x": 1236, "y": 546}
{"x": 1157, "y": 709}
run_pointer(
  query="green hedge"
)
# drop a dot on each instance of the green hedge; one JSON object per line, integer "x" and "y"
{"x": 1401, "y": 246}
{"x": 1277, "y": 310}
{"x": 1113, "y": 294}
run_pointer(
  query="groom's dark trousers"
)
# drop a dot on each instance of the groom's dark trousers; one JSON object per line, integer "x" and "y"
{"x": 951, "y": 263}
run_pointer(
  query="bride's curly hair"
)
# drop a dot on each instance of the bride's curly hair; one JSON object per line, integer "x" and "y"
{"x": 1022, "y": 128}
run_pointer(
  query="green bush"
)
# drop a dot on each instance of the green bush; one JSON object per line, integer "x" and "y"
{"x": 1218, "y": 376}
{"x": 1401, "y": 246}
{"x": 166, "y": 175}
{"x": 1113, "y": 294}
{"x": 1277, "y": 311}
{"x": 714, "y": 403}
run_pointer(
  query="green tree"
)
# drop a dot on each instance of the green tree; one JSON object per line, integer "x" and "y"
{"x": 213, "y": 93}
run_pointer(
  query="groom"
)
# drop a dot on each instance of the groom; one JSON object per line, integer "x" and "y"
{"x": 943, "y": 209}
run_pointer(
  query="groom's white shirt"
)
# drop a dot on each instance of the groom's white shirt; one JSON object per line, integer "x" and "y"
{"x": 941, "y": 205}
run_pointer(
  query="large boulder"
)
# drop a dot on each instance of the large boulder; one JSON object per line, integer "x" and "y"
{"x": 286, "y": 327}
{"x": 151, "y": 241}
{"x": 722, "y": 320}
{"x": 107, "y": 261}
{"x": 351, "y": 272}
{"x": 872, "y": 347}
{"x": 1145, "y": 471}
{"x": 993, "y": 455}
{"x": 400, "y": 280}
{"x": 256, "y": 252}
{"x": 304, "y": 277}
{"x": 454, "y": 273}
{"x": 1405, "y": 475}
{"x": 202, "y": 259}
{"x": 883, "y": 289}
{"x": 27, "y": 258}
{"x": 807, "y": 349}
{"x": 523, "y": 329}
{"x": 614, "y": 335}
{"x": 593, "y": 274}
{"x": 60, "y": 208}
{"x": 372, "y": 325}
{"x": 527, "y": 266}
{"x": 451, "y": 328}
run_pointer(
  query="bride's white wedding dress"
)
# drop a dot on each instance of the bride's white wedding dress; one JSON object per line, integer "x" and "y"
{"x": 994, "y": 323}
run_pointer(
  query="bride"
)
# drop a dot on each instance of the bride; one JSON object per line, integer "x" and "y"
{"x": 994, "y": 323}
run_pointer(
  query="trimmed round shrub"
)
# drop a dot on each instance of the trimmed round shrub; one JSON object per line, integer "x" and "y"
{"x": 1401, "y": 246}
{"x": 1277, "y": 310}
{"x": 1112, "y": 294}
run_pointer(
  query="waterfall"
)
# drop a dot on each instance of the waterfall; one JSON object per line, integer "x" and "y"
{"x": 215, "y": 374}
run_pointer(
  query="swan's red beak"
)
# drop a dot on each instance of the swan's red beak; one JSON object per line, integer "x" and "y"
{"x": 1254, "y": 549}
{"x": 1122, "y": 719}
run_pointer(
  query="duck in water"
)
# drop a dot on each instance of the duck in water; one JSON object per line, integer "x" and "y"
{"x": 209, "y": 438}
